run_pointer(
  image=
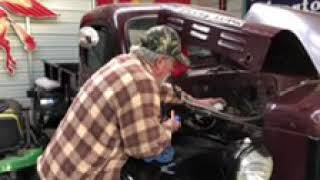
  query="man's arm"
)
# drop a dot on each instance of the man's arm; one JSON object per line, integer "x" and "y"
{"x": 173, "y": 94}
{"x": 142, "y": 133}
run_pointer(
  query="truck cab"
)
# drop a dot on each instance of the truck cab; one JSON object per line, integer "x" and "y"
{"x": 267, "y": 69}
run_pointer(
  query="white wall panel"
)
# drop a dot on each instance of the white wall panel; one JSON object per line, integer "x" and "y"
{"x": 17, "y": 52}
{"x": 6, "y": 80}
{"x": 55, "y": 29}
{"x": 67, "y": 4}
{"x": 21, "y": 67}
{"x": 45, "y": 53}
{"x": 37, "y": 66}
{"x": 44, "y": 40}
{"x": 14, "y": 91}
{"x": 52, "y": 40}
{"x": 57, "y": 41}
{"x": 56, "y": 53}
{"x": 64, "y": 16}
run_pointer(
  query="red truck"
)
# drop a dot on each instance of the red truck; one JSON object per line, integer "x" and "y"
{"x": 265, "y": 66}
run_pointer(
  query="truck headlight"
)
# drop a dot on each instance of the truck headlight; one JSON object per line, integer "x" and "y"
{"x": 255, "y": 163}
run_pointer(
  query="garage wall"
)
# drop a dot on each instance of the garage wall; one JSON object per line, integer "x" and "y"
{"x": 233, "y": 6}
{"x": 57, "y": 41}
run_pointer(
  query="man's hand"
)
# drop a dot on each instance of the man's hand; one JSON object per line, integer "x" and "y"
{"x": 172, "y": 123}
{"x": 209, "y": 102}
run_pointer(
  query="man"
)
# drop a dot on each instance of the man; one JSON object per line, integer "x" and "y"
{"x": 117, "y": 113}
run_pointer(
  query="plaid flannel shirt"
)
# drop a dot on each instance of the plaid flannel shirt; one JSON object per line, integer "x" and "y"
{"x": 116, "y": 114}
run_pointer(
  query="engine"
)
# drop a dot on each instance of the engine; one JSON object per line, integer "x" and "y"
{"x": 221, "y": 144}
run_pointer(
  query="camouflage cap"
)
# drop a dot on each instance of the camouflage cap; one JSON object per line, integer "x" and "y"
{"x": 164, "y": 40}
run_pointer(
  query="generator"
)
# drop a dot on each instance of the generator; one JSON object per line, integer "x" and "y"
{"x": 53, "y": 94}
{"x": 49, "y": 108}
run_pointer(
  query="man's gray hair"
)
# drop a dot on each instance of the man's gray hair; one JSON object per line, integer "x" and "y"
{"x": 145, "y": 54}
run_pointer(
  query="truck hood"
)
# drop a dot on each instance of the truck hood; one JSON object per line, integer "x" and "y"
{"x": 304, "y": 25}
{"x": 268, "y": 35}
{"x": 251, "y": 44}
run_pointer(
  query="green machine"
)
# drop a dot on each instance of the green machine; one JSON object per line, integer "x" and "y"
{"x": 20, "y": 145}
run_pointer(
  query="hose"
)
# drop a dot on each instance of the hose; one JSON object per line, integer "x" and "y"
{"x": 224, "y": 116}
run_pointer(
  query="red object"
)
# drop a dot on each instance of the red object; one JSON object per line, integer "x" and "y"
{"x": 178, "y": 69}
{"x": 223, "y": 4}
{"x": 174, "y": 1}
{"x": 101, "y": 2}
{"x": 27, "y": 40}
{"x": 30, "y": 8}
{"x": 5, "y": 43}
{"x": 185, "y": 50}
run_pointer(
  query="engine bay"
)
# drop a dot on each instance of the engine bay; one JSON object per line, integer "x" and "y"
{"x": 205, "y": 146}
{"x": 246, "y": 93}
{"x": 209, "y": 139}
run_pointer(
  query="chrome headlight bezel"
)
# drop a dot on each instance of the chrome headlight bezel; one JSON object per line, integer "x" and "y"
{"x": 253, "y": 161}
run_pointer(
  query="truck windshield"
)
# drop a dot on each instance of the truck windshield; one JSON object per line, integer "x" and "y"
{"x": 136, "y": 27}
